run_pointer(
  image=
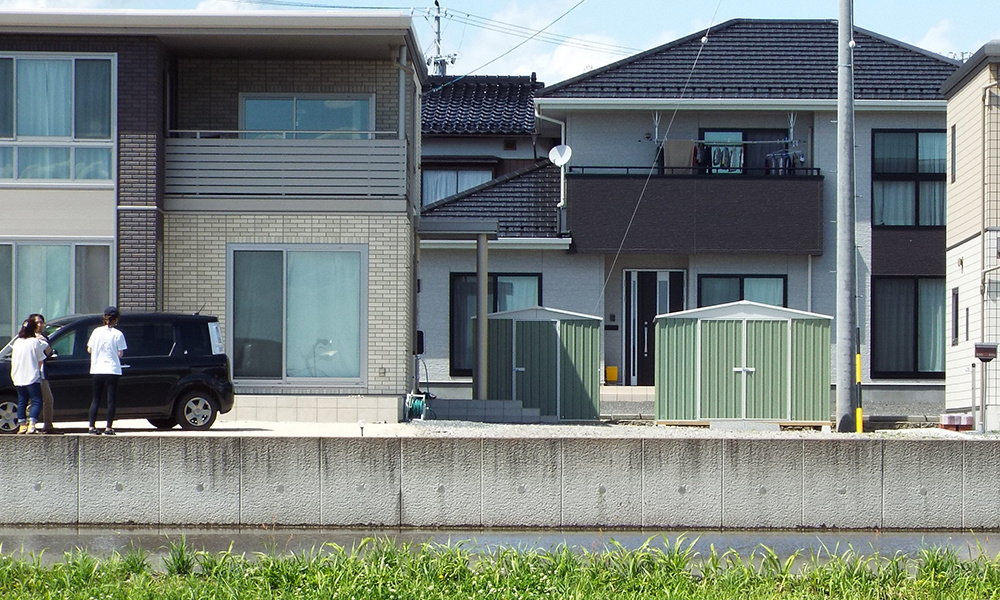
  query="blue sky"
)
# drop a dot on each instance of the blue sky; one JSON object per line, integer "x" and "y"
{"x": 961, "y": 26}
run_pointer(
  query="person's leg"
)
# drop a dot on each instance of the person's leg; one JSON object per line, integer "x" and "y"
{"x": 47, "y": 405}
{"x": 35, "y": 394}
{"x": 112, "y": 386}
{"x": 22, "y": 408}
{"x": 98, "y": 387}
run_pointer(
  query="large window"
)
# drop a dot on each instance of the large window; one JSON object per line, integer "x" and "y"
{"x": 720, "y": 289}
{"x": 298, "y": 312}
{"x": 56, "y": 117}
{"x": 908, "y": 178}
{"x": 908, "y": 327}
{"x": 52, "y": 279}
{"x": 506, "y": 292}
{"x": 747, "y": 151}
{"x": 308, "y": 116}
{"x": 441, "y": 183}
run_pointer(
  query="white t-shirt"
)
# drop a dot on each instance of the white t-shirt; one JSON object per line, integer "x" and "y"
{"x": 104, "y": 345}
{"x": 26, "y": 355}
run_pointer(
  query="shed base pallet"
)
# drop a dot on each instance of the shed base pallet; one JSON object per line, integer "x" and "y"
{"x": 738, "y": 424}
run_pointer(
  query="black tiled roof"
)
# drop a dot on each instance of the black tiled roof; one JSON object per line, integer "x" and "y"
{"x": 486, "y": 104}
{"x": 772, "y": 59}
{"x": 523, "y": 202}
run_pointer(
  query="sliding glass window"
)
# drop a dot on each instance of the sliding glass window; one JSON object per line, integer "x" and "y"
{"x": 908, "y": 327}
{"x": 52, "y": 279}
{"x": 721, "y": 289}
{"x": 298, "y": 312}
{"x": 56, "y": 117}
{"x": 908, "y": 178}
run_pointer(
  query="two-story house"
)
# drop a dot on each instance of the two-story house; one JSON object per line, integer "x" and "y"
{"x": 703, "y": 172}
{"x": 262, "y": 167}
{"x": 973, "y": 178}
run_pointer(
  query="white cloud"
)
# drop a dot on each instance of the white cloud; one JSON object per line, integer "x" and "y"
{"x": 227, "y": 6}
{"x": 938, "y": 39}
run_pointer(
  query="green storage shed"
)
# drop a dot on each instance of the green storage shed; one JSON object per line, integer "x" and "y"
{"x": 743, "y": 360}
{"x": 548, "y": 359}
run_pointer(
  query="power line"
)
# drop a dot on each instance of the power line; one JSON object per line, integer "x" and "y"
{"x": 521, "y": 31}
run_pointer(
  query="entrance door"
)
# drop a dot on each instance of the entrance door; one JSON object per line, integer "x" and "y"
{"x": 647, "y": 294}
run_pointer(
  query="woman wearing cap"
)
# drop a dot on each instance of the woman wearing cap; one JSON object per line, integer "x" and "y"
{"x": 29, "y": 350}
{"x": 106, "y": 346}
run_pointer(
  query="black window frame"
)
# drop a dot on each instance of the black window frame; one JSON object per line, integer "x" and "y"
{"x": 743, "y": 277}
{"x": 452, "y": 316}
{"x": 915, "y": 177}
{"x": 745, "y": 169}
{"x": 873, "y": 338}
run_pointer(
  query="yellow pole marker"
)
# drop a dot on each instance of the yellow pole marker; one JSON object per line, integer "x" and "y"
{"x": 859, "y": 427}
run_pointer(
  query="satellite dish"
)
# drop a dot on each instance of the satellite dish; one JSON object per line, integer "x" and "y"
{"x": 560, "y": 155}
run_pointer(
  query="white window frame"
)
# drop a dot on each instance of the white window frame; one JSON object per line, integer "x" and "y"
{"x": 66, "y": 142}
{"x": 285, "y": 381}
{"x": 368, "y": 133}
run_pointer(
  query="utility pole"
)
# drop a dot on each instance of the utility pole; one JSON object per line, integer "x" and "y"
{"x": 846, "y": 246}
{"x": 437, "y": 60}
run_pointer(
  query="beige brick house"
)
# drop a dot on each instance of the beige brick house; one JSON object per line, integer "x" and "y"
{"x": 261, "y": 167}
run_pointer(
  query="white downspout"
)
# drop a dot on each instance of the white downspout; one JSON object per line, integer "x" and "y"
{"x": 562, "y": 169}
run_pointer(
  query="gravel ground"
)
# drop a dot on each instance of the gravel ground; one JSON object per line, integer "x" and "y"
{"x": 466, "y": 429}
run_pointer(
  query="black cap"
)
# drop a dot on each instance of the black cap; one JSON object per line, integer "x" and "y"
{"x": 111, "y": 312}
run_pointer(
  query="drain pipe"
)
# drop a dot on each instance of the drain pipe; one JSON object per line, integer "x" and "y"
{"x": 982, "y": 243}
{"x": 562, "y": 170}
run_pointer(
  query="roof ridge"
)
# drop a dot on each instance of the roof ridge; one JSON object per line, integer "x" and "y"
{"x": 544, "y": 162}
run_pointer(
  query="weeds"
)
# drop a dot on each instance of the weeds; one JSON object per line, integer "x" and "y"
{"x": 379, "y": 568}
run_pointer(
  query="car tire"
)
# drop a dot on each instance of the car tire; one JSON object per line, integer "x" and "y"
{"x": 196, "y": 411}
{"x": 8, "y": 415}
{"x": 167, "y": 423}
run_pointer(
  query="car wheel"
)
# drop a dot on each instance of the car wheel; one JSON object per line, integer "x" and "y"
{"x": 196, "y": 411}
{"x": 167, "y": 423}
{"x": 8, "y": 415}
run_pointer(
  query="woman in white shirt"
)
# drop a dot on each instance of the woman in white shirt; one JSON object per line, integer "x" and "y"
{"x": 106, "y": 346}
{"x": 29, "y": 350}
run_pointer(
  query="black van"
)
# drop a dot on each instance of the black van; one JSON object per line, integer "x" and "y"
{"x": 174, "y": 372}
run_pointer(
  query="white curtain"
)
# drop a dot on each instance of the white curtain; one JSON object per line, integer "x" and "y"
{"x": 894, "y": 203}
{"x": 93, "y": 100}
{"x": 92, "y": 163}
{"x": 892, "y": 318}
{"x": 438, "y": 185}
{"x": 35, "y": 162}
{"x": 766, "y": 290}
{"x": 930, "y": 325}
{"x": 93, "y": 278}
{"x": 932, "y": 202}
{"x": 895, "y": 152}
{"x": 515, "y": 292}
{"x": 7, "y": 317}
{"x": 44, "y": 98}
{"x": 323, "y": 321}
{"x": 470, "y": 179}
{"x": 719, "y": 290}
{"x": 932, "y": 149}
{"x": 43, "y": 281}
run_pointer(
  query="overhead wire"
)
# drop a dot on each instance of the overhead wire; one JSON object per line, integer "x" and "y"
{"x": 659, "y": 149}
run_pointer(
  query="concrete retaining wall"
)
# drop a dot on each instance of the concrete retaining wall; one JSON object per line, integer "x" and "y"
{"x": 849, "y": 483}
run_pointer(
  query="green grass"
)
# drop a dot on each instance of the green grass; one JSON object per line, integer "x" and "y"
{"x": 381, "y": 569}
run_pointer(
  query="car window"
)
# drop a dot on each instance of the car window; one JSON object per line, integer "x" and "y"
{"x": 148, "y": 339}
{"x": 66, "y": 347}
{"x": 196, "y": 338}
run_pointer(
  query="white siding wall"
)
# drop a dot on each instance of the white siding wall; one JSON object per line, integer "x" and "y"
{"x": 57, "y": 212}
{"x": 964, "y": 262}
{"x": 965, "y": 112}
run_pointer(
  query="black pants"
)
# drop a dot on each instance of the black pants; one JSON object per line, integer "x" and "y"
{"x": 104, "y": 382}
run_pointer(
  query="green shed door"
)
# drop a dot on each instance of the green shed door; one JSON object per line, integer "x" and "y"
{"x": 536, "y": 350}
{"x": 721, "y": 386}
{"x": 767, "y": 383}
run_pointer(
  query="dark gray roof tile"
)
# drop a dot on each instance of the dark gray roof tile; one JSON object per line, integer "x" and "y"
{"x": 483, "y": 104}
{"x": 523, "y": 202}
{"x": 766, "y": 59}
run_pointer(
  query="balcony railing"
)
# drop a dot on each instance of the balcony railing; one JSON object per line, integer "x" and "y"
{"x": 698, "y": 171}
{"x": 301, "y": 163}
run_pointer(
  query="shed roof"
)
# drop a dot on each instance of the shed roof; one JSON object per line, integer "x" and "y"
{"x": 541, "y": 313}
{"x": 766, "y": 59}
{"x": 744, "y": 309}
